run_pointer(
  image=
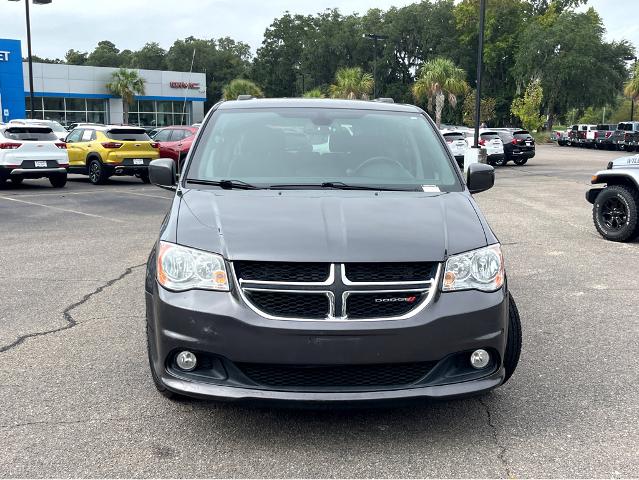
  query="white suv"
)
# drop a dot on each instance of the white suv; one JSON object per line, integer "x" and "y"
{"x": 457, "y": 144}
{"x": 28, "y": 151}
{"x": 490, "y": 140}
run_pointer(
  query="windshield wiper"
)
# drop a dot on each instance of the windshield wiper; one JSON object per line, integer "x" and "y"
{"x": 225, "y": 184}
{"x": 338, "y": 186}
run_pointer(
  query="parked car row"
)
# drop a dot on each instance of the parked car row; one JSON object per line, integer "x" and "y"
{"x": 502, "y": 144}
{"x": 32, "y": 149}
{"x": 620, "y": 136}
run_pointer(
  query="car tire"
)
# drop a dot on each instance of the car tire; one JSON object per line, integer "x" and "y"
{"x": 97, "y": 174}
{"x": 615, "y": 213}
{"x": 520, "y": 161}
{"x": 145, "y": 177}
{"x": 513, "y": 341}
{"x": 59, "y": 180}
{"x": 16, "y": 180}
{"x": 165, "y": 392}
{"x": 500, "y": 162}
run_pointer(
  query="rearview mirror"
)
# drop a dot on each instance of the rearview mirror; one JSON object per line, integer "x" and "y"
{"x": 162, "y": 173}
{"x": 481, "y": 177}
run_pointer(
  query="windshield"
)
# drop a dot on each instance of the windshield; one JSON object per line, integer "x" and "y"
{"x": 310, "y": 146}
{"x": 133, "y": 134}
{"x": 30, "y": 133}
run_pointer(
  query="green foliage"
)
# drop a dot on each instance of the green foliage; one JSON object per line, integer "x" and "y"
{"x": 486, "y": 112}
{"x": 437, "y": 80}
{"x": 126, "y": 84}
{"x": 631, "y": 89}
{"x": 352, "y": 83}
{"x": 575, "y": 66}
{"x": 527, "y": 108}
{"x": 105, "y": 55}
{"x": 74, "y": 57}
{"x": 240, "y": 86}
{"x": 151, "y": 57}
{"x": 314, "y": 93}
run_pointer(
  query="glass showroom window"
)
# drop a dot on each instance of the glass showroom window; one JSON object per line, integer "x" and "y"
{"x": 161, "y": 113}
{"x": 69, "y": 110}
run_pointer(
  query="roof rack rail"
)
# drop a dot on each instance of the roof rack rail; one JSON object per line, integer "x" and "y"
{"x": 385, "y": 100}
{"x": 245, "y": 97}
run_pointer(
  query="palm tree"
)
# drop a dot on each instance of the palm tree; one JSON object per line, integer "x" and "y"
{"x": 632, "y": 87}
{"x": 240, "y": 86}
{"x": 438, "y": 79}
{"x": 352, "y": 83}
{"x": 126, "y": 84}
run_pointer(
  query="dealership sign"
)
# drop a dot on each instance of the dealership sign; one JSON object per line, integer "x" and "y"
{"x": 192, "y": 86}
{"x": 4, "y": 55}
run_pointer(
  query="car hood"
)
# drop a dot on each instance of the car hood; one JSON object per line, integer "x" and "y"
{"x": 329, "y": 226}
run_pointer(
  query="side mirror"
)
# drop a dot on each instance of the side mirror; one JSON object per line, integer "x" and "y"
{"x": 481, "y": 177}
{"x": 162, "y": 173}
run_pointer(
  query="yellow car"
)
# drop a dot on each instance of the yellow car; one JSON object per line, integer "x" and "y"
{"x": 102, "y": 151}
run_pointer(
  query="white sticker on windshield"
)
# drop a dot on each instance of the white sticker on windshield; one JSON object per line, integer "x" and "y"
{"x": 430, "y": 188}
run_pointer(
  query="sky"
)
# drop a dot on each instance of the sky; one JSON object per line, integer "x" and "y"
{"x": 81, "y": 24}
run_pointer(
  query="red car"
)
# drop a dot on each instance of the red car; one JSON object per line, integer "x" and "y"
{"x": 175, "y": 142}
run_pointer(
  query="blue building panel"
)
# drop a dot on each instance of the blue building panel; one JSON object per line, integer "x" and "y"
{"x": 12, "y": 96}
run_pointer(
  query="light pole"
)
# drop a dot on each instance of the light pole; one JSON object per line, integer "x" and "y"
{"x": 630, "y": 58}
{"x": 480, "y": 53}
{"x": 375, "y": 38}
{"x": 29, "y": 59}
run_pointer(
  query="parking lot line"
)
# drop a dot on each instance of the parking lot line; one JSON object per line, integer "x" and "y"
{"x": 62, "y": 209}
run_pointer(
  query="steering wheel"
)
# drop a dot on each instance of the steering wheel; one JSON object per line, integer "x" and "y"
{"x": 381, "y": 160}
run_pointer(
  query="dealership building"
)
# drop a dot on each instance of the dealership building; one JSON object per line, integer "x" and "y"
{"x": 73, "y": 93}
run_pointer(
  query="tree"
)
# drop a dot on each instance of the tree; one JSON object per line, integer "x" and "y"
{"x": 438, "y": 79}
{"x": 240, "y": 86}
{"x": 315, "y": 93}
{"x": 222, "y": 60}
{"x": 567, "y": 54}
{"x": 126, "y": 84}
{"x": 632, "y": 87}
{"x": 151, "y": 56}
{"x": 105, "y": 55}
{"x": 74, "y": 57}
{"x": 352, "y": 83}
{"x": 487, "y": 110}
{"x": 527, "y": 108}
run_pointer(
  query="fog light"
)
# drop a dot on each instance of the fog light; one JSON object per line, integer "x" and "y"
{"x": 479, "y": 358}
{"x": 187, "y": 361}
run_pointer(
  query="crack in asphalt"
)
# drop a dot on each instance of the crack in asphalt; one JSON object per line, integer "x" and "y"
{"x": 501, "y": 455}
{"x": 66, "y": 313}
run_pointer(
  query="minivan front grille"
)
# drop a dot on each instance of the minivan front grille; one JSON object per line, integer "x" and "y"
{"x": 290, "y": 304}
{"x": 333, "y": 291}
{"x": 283, "y": 271}
{"x": 381, "y": 305}
{"x": 389, "y": 272}
{"x": 326, "y": 376}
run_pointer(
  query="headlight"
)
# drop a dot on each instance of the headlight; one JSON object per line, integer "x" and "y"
{"x": 182, "y": 268}
{"x": 481, "y": 269}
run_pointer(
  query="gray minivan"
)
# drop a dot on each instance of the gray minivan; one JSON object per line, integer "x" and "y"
{"x": 326, "y": 251}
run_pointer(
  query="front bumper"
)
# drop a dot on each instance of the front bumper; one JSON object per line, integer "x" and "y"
{"x": 218, "y": 325}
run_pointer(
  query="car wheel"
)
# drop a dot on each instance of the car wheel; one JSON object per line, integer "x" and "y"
{"x": 500, "y": 162}
{"x": 58, "y": 180}
{"x": 16, "y": 180}
{"x": 145, "y": 177}
{"x": 97, "y": 175}
{"x": 156, "y": 381}
{"x": 513, "y": 341}
{"x": 615, "y": 213}
{"x": 520, "y": 161}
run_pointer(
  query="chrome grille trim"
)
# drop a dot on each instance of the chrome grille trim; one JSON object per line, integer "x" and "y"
{"x": 429, "y": 287}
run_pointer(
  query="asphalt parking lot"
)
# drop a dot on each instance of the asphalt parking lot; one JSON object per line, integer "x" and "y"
{"x": 77, "y": 399}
